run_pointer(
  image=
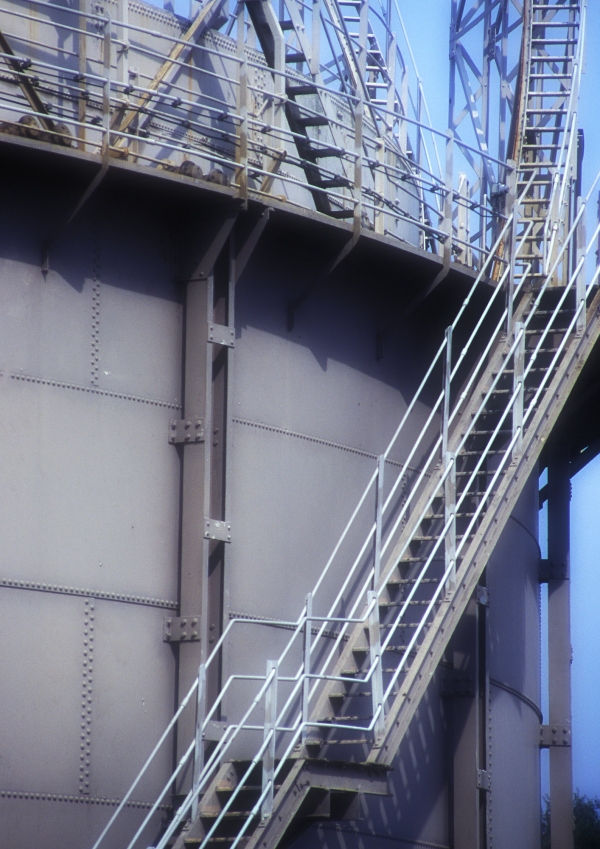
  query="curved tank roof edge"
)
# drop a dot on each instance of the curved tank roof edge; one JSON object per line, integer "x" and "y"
{"x": 310, "y": 222}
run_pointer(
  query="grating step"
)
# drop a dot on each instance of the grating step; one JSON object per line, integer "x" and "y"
{"x": 336, "y": 183}
{"x": 386, "y": 605}
{"x": 313, "y": 121}
{"x": 217, "y": 841}
{"x": 298, "y": 90}
{"x": 342, "y": 213}
{"x": 410, "y": 581}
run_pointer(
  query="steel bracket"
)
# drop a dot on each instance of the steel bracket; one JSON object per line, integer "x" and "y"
{"x": 220, "y": 334}
{"x": 554, "y": 735}
{"x": 484, "y": 779}
{"x": 181, "y": 629}
{"x": 456, "y": 683}
{"x": 216, "y": 529}
{"x": 186, "y": 430}
{"x": 482, "y": 596}
{"x": 549, "y": 571}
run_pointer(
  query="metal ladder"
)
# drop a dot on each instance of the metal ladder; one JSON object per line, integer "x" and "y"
{"x": 547, "y": 94}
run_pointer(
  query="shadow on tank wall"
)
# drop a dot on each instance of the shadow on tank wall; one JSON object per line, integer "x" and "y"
{"x": 150, "y": 231}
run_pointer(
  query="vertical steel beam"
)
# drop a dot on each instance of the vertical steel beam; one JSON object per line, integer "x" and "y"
{"x": 192, "y": 591}
{"x": 197, "y": 588}
{"x": 467, "y": 706}
{"x": 215, "y": 473}
{"x": 460, "y": 694}
{"x": 559, "y": 644}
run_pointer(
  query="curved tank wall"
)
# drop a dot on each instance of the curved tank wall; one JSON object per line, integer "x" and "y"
{"x": 91, "y": 358}
{"x": 514, "y": 669}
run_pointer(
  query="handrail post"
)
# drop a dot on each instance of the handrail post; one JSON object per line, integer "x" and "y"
{"x": 518, "y": 390}
{"x": 306, "y": 667}
{"x": 462, "y": 219}
{"x": 450, "y": 522}
{"x": 268, "y": 762}
{"x": 358, "y": 154}
{"x": 105, "y": 148}
{"x": 242, "y": 107}
{"x": 376, "y": 665}
{"x": 580, "y": 287}
{"x": 378, "y": 519}
{"x": 446, "y": 397}
{"x": 448, "y": 199}
{"x": 510, "y": 282}
{"x": 199, "y": 745}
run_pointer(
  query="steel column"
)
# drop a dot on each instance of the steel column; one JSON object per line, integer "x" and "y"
{"x": 559, "y": 644}
{"x": 200, "y": 592}
{"x": 466, "y": 691}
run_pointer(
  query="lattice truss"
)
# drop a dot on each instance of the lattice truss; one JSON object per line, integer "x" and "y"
{"x": 485, "y": 55}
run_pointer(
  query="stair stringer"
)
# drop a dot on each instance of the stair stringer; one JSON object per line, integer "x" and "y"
{"x": 476, "y": 557}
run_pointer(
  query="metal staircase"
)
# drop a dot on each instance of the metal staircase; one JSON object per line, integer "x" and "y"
{"x": 331, "y": 731}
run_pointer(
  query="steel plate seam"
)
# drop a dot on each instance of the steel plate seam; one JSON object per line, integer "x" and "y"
{"x": 95, "y": 390}
{"x": 62, "y": 797}
{"x": 10, "y": 583}
{"x": 285, "y": 432}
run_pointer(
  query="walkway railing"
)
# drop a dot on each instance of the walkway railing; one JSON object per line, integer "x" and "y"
{"x": 179, "y": 96}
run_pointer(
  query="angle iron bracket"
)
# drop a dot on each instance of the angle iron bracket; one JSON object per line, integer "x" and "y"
{"x": 550, "y": 571}
{"x": 554, "y": 735}
{"x": 186, "y": 430}
{"x": 457, "y": 683}
{"x": 220, "y": 334}
{"x": 482, "y": 595}
{"x": 216, "y": 529}
{"x": 484, "y": 779}
{"x": 181, "y": 629}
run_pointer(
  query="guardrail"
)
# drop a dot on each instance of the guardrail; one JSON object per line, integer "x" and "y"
{"x": 213, "y": 109}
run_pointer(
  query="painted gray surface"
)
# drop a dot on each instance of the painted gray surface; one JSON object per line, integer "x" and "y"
{"x": 90, "y": 359}
{"x": 91, "y": 376}
{"x": 515, "y": 661}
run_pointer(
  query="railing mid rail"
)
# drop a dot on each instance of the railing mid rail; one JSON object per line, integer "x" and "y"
{"x": 185, "y": 98}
